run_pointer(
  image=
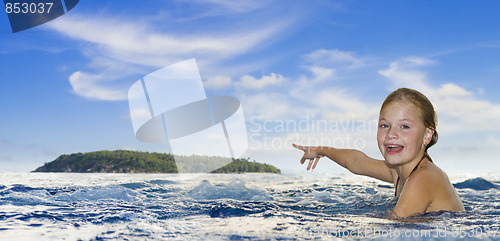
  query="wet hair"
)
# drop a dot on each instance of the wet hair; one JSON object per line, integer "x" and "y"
{"x": 422, "y": 104}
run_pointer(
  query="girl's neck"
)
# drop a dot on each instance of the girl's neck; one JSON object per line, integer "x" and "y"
{"x": 402, "y": 178}
{"x": 405, "y": 169}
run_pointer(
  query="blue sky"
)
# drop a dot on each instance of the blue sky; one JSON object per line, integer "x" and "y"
{"x": 293, "y": 65}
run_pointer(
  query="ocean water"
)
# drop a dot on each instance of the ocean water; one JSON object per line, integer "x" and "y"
{"x": 312, "y": 206}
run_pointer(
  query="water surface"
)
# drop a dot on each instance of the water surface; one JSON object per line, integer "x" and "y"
{"x": 49, "y": 206}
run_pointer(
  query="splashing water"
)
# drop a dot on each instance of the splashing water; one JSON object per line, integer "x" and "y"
{"x": 48, "y": 206}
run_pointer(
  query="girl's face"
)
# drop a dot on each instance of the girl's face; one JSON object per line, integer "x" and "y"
{"x": 401, "y": 133}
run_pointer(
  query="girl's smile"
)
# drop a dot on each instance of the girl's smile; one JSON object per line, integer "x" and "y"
{"x": 393, "y": 148}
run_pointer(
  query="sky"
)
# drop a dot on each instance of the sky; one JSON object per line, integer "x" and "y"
{"x": 306, "y": 72}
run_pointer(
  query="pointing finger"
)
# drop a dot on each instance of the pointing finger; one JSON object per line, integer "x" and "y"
{"x": 302, "y": 148}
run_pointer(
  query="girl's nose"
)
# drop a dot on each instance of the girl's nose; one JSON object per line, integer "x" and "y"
{"x": 391, "y": 134}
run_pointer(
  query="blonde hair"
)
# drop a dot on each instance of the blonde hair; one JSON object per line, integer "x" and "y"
{"x": 422, "y": 104}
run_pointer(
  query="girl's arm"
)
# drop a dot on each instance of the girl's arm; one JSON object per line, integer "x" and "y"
{"x": 355, "y": 161}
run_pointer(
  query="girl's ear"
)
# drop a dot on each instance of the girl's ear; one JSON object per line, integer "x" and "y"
{"x": 429, "y": 132}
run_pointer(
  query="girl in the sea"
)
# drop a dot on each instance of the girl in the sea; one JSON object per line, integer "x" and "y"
{"x": 406, "y": 130}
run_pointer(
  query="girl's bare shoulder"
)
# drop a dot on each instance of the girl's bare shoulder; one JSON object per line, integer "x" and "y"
{"x": 430, "y": 177}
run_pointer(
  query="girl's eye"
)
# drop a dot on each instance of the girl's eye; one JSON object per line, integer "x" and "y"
{"x": 383, "y": 126}
{"x": 405, "y": 127}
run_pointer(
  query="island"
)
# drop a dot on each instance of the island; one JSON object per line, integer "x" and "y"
{"x": 124, "y": 161}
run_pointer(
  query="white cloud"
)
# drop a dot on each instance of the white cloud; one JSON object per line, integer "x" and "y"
{"x": 334, "y": 57}
{"x": 250, "y": 82}
{"x": 331, "y": 64}
{"x": 136, "y": 42}
{"x": 318, "y": 97}
{"x": 452, "y": 90}
{"x": 305, "y": 104}
{"x": 132, "y": 45}
{"x": 88, "y": 85}
{"x": 405, "y": 73}
{"x": 303, "y": 97}
{"x": 417, "y": 61}
{"x": 320, "y": 73}
{"x": 236, "y": 6}
{"x": 217, "y": 82}
{"x": 267, "y": 106}
{"x": 331, "y": 103}
{"x": 337, "y": 103}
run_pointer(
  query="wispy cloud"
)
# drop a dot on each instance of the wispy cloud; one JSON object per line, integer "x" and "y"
{"x": 112, "y": 40}
{"x": 246, "y": 82}
{"x": 334, "y": 58}
{"x": 138, "y": 43}
{"x": 407, "y": 72}
{"x": 250, "y": 82}
{"x": 225, "y": 6}
{"x": 312, "y": 93}
{"x": 313, "y": 108}
{"x": 268, "y": 106}
{"x": 90, "y": 86}
{"x": 320, "y": 73}
{"x": 218, "y": 82}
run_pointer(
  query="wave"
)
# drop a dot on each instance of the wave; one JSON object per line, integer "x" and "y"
{"x": 168, "y": 199}
{"x": 104, "y": 193}
{"x": 224, "y": 208}
{"x": 234, "y": 190}
{"x": 25, "y": 195}
{"x": 476, "y": 184}
{"x": 239, "y": 209}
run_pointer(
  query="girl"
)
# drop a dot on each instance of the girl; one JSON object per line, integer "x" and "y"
{"x": 407, "y": 128}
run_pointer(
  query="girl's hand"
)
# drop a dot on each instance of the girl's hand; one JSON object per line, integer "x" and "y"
{"x": 311, "y": 153}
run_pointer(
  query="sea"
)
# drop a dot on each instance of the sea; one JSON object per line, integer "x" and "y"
{"x": 306, "y": 206}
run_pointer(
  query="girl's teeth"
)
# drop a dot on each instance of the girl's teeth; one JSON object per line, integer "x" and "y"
{"x": 390, "y": 147}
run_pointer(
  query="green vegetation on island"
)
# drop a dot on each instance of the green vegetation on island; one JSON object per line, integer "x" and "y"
{"x": 122, "y": 161}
